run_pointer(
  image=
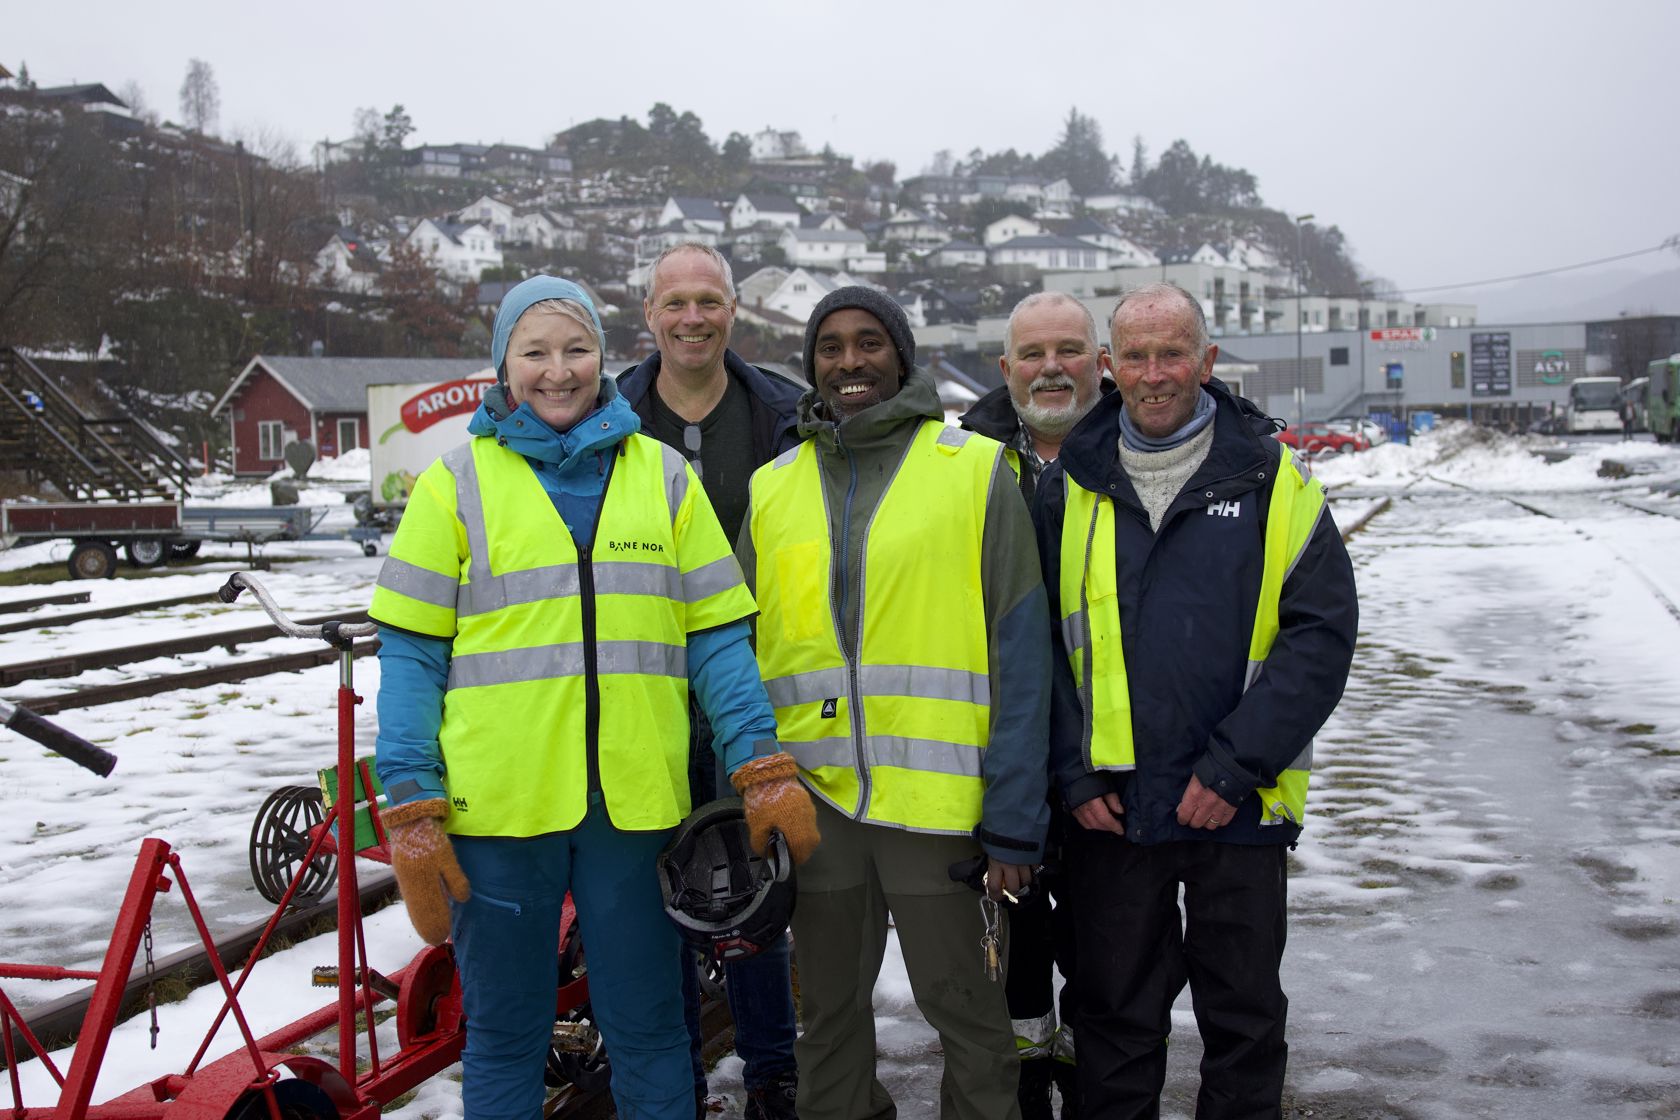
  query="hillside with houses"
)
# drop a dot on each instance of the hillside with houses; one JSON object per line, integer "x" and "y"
{"x": 164, "y": 258}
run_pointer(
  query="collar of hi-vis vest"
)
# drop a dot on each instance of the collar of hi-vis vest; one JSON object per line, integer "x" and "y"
{"x": 522, "y": 430}
{"x": 879, "y": 424}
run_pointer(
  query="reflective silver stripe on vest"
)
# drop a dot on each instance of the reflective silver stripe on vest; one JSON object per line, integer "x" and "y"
{"x": 1076, "y": 632}
{"x": 785, "y": 457}
{"x": 920, "y": 681}
{"x": 953, "y": 437}
{"x": 1323, "y": 505}
{"x": 469, "y": 508}
{"x": 930, "y": 756}
{"x": 806, "y": 688}
{"x": 418, "y": 583}
{"x": 926, "y": 683}
{"x": 559, "y": 581}
{"x": 675, "y": 468}
{"x": 711, "y": 579}
{"x": 1304, "y": 760}
{"x": 539, "y": 663}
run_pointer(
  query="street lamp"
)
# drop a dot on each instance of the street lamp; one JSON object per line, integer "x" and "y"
{"x": 1300, "y": 317}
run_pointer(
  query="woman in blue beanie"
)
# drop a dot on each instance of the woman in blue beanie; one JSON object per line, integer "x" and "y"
{"x": 554, "y": 589}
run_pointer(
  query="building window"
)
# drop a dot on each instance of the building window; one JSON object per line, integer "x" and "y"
{"x": 271, "y": 439}
{"x": 1338, "y": 355}
{"x": 1457, "y": 366}
{"x": 349, "y": 435}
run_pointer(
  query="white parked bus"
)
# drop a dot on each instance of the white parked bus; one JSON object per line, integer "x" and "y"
{"x": 1594, "y": 405}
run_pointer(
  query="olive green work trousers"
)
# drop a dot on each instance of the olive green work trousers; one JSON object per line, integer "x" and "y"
{"x": 859, "y": 874}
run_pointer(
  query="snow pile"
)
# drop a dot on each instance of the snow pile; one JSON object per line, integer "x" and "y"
{"x": 1463, "y": 454}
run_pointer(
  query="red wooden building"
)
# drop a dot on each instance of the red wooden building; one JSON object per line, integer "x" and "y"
{"x": 274, "y": 401}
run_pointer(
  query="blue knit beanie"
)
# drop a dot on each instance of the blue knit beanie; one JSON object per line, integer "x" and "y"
{"x": 520, "y": 299}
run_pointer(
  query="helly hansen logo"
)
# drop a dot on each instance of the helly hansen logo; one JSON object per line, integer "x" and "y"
{"x": 1232, "y": 508}
{"x": 459, "y": 804}
{"x": 831, "y": 707}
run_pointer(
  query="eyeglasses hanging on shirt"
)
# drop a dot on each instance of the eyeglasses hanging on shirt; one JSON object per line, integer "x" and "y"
{"x": 691, "y": 440}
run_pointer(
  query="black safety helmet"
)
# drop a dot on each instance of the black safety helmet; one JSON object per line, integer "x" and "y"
{"x": 724, "y": 898}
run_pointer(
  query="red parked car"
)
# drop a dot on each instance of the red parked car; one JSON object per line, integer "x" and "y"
{"x": 1317, "y": 438}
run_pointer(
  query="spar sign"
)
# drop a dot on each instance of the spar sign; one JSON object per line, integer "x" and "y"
{"x": 417, "y": 423}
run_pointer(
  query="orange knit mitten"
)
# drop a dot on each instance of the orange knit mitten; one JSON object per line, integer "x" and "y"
{"x": 424, "y": 860}
{"x": 773, "y": 798}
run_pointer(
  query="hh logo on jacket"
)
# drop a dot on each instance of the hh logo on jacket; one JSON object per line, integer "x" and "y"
{"x": 1232, "y": 508}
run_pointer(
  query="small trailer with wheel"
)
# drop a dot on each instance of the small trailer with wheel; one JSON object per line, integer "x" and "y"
{"x": 152, "y": 533}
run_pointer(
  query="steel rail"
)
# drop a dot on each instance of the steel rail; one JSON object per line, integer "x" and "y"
{"x": 194, "y": 678}
{"x": 70, "y": 664}
{"x": 43, "y": 621}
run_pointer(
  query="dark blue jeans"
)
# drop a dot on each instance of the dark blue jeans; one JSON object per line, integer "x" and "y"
{"x": 761, "y": 1001}
{"x": 760, "y": 989}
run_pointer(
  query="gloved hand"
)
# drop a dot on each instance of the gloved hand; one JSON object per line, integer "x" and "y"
{"x": 773, "y": 798}
{"x": 424, "y": 861}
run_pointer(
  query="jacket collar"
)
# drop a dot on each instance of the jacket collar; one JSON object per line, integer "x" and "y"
{"x": 775, "y": 393}
{"x": 521, "y": 430}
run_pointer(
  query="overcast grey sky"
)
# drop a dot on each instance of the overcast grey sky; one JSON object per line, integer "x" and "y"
{"x": 1450, "y": 141}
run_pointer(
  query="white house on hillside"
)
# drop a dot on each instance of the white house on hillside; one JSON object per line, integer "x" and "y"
{"x": 958, "y": 254}
{"x": 491, "y": 213}
{"x": 770, "y": 209}
{"x": 1008, "y": 228}
{"x": 701, "y": 211}
{"x": 347, "y": 263}
{"x": 798, "y": 294}
{"x": 460, "y": 252}
{"x": 754, "y": 290}
{"x": 547, "y": 229}
{"x": 916, "y": 231}
{"x": 843, "y": 248}
{"x": 1049, "y": 253}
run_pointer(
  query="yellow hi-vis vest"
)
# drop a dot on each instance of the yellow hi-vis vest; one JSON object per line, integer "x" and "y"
{"x": 544, "y": 638}
{"x": 897, "y": 736}
{"x": 1091, "y": 623}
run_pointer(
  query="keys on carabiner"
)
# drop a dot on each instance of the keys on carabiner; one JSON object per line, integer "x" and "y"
{"x": 990, "y": 945}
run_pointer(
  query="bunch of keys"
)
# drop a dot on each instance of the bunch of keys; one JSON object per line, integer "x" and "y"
{"x": 989, "y": 942}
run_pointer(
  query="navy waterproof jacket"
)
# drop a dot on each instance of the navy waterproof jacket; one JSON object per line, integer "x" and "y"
{"x": 1187, "y": 597}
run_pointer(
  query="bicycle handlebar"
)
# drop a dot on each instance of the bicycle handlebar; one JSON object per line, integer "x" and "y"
{"x": 330, "y": 632}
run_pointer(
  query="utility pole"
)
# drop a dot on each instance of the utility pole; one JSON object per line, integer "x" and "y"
{"x": 1300, "y": 318}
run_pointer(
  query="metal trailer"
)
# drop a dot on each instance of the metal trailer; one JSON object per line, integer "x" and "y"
{"x": 152, "y": 533}
{"x": 264, "y": 1078}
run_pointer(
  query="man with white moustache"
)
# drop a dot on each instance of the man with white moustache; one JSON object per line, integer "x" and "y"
{"x": 1206, "y": 615}
{"x": 1054, "y": 370}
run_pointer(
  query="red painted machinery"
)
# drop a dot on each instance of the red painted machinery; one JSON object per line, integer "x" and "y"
{"x": 264, "y": 1076}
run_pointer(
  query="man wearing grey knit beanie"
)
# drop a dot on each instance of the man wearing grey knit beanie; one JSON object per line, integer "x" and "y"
{"x": 1172, "y": 517}
{"x": 896, "y": 577}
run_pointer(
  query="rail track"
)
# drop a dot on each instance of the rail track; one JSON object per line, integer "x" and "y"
{"x": 1662, "y": 597}
{"x": 41, "y": 622}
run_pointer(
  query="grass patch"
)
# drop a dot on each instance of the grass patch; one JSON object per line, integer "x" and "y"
{"x": 1638, "y": 729}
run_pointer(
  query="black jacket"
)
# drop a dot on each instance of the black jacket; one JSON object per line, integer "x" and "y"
{"x": 774, "y": 400}
{"x": 1187, "y": 597}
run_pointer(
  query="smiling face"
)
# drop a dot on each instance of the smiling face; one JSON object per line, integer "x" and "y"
{"x": 554, "y": 365}
{"x": 1159, "y": 365}
{"x": 853, "y": 363}
{"x": 690, "y": 311}
{"x": 1053, "y": 368}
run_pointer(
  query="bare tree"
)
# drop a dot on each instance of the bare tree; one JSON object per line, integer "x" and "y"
{"x": 201, "y": 100}
{"x": 135, "y": 98}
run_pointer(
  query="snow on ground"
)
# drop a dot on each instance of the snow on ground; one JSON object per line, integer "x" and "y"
{"x": 1485, "y": 905}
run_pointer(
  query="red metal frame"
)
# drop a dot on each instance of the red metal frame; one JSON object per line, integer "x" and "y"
{"x": 213, "y": 1092}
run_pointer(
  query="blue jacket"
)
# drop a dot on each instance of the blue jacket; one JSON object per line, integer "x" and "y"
{"x": 574, "y": 468}
{"x": 1187, "y": 597}
{"x": 773, "y": 398}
